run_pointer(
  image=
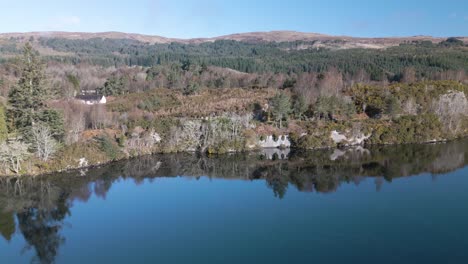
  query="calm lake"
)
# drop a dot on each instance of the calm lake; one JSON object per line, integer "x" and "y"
{"x": 393, "y": 204}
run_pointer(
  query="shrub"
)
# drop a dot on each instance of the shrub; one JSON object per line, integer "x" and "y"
{"x": 150, "y": 104}
{"x": 409, "y": 129}
{"x": 109, "y": 146}
{"x": 329, "y": 107}
{"x": 191, "y": 89}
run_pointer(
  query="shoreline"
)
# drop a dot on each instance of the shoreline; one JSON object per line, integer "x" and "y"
{"x": 129, "y": 158}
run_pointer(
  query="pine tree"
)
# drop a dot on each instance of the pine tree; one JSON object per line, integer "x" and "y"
{"x": 300, "y": 106}
{"x": 113, "y": 86}
{"x": 281, "y": 106}
{"x": 27, "y": 97}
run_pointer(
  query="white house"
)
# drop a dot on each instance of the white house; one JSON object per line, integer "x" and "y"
{"x": 91, "y": 99}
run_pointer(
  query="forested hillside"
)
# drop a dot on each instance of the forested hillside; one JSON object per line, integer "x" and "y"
{"x": 427, "y": 58}
{"x": 221, "y": 96}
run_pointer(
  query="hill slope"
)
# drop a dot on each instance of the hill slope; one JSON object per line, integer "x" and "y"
{"x": 251, "y": 37}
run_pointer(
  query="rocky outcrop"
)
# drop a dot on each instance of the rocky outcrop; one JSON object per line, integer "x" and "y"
{"x": 342, "y": 139}
{"x": 275, "y": 142}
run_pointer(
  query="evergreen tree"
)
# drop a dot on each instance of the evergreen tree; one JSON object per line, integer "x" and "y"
{"x": 27, "y": 97}
{"x": 300, "y": 106}
{"x": 113, "y": 86}
{"x": 54, "y": 121}
{"x": 281, "y": 106}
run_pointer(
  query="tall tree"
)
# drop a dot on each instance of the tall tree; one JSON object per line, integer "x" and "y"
{"x": 280, "y": 106}
{"x": 43, "y": 142}
{"x": 300, "y": 106}
{"x": 27, "y": 97}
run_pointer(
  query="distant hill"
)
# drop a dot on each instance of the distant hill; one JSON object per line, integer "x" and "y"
{"x": 256, "y": 52}
{"x": 339, "y": 42}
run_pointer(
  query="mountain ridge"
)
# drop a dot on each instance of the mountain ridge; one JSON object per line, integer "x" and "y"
{"x": 255, "y": 37}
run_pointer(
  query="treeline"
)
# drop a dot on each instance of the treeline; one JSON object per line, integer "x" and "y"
{"x": 426, "y": 58}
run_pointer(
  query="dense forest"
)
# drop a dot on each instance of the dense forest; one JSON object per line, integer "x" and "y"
{"x": 427, "y": 58}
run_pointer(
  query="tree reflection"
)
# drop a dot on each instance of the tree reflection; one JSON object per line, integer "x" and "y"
{"x": 41, "y": 204}
{"x": 7, "y": 225}
{"x": 41, "y": 230}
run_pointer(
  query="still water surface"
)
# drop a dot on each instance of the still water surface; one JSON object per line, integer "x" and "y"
{"x": 396, "y": 204}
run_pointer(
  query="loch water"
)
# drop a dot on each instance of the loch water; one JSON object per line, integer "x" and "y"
{"x": 381, "y": 204}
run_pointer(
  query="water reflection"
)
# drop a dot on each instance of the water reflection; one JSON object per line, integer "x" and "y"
{"x": 36, "y": 207}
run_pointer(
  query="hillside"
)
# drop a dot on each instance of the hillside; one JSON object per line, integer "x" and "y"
{"x": 284, "y": 52}
{"x": 234, "y": 93}
{"x": 250, "y": 37}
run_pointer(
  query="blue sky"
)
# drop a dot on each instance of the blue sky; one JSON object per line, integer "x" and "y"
{"x": 208, "y": 18}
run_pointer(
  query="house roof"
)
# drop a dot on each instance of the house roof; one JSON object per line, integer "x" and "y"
{"x": 89, "y": 97}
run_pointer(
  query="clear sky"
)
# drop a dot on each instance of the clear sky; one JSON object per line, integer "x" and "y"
{"x": 208, "y": 18}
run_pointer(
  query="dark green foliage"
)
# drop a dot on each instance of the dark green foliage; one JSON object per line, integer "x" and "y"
{"x": 191, "y": 88}
{"x": 109, "y": 146}
{"x": 408, "y": 129}
{"x": 28, "y": 96}
{"x": 426, "y": 58}
{"x": 150, "y": 104}
{"x": 280, "y": 106}
{"x": 330, "y": 107}
{"x": 369, "y": 99}
{"x": 299, "y": 107}
{"x": 42, "y": 227}
{"x": 152, "y": 73}
{"x": 317, "y": 134}
{"x": 289, "y": 83}
{"x": 113, "y": 86}
{"x": 54, "y": 120}
{"x": 377, "y": 100}
{"x": 452, "y": 42}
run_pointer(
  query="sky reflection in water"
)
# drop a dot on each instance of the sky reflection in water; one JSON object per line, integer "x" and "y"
{"x": 323, "y": 206}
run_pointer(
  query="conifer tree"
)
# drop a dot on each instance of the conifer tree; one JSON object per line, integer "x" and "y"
{"x": 281, "y": 106}
{"x": 27, "y": 97}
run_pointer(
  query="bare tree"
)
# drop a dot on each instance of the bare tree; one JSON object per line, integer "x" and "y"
{"x": 410, "y": 107}
{"x": 451, "y": 108}
{"x": 43, "y": 142}
{"x": 409, "y": 75}
{"x": 306, "y": 86}
{"x": 76, "y": 126}
{"x": 98, "y": 116}
{"x": 12, "y": 154}
{"x": 331, "y": 83}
